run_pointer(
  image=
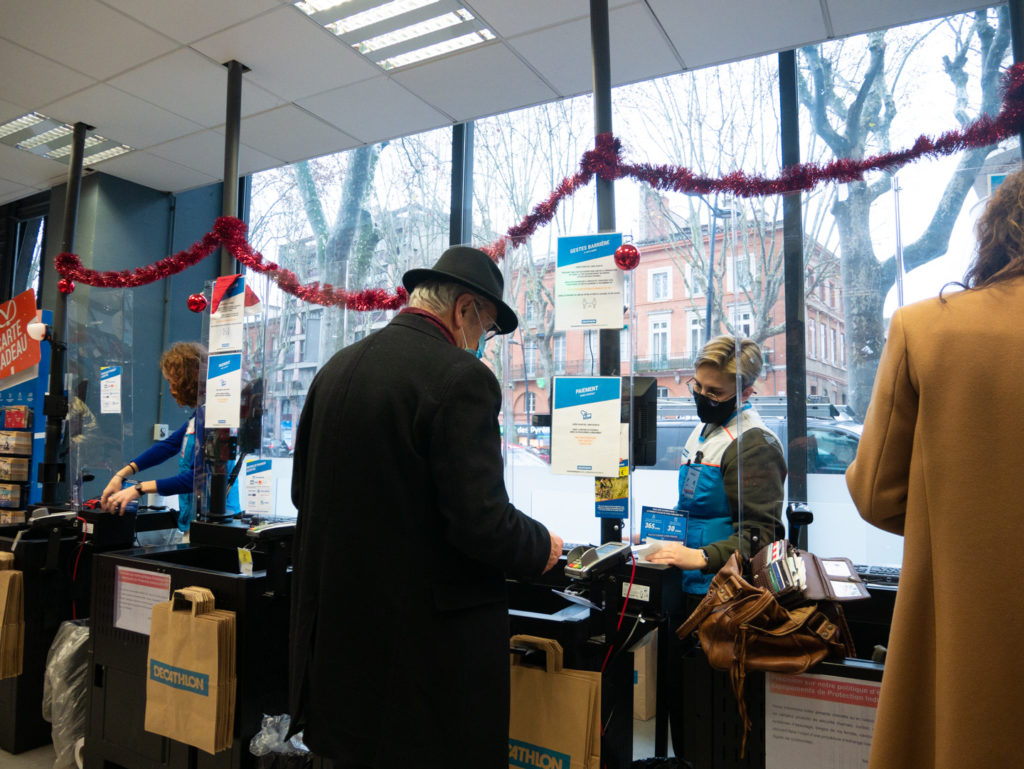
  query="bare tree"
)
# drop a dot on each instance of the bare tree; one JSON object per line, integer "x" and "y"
{"x": 852, "y": 112}
{"x": 520, "y": 158}
{"x": 714, "y": 121}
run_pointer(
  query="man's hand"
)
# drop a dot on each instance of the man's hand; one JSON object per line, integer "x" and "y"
{"x": 556, "y": 551}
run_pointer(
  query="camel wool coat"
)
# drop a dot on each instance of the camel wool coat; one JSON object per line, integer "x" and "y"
{"x": 941, "y": 462}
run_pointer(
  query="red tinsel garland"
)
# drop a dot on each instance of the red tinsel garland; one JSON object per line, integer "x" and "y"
{"x": 605, "y": 160}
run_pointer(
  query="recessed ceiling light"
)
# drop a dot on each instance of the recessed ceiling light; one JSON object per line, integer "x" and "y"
{"x": 49, "y": 138}
{"x": 397, "y": 33}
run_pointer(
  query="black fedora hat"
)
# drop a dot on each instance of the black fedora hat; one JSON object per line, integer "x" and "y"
{"x": 474, "y": 269}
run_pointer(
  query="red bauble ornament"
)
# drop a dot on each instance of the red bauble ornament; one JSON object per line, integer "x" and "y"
{"x": 197, "y": 302}
{"x": 627, "y": 257}
{"x": 65, "y": 285}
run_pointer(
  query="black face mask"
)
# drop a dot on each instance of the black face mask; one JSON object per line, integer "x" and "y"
{"x": 714, "y": 415}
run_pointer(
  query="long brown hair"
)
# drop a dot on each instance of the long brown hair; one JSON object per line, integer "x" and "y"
{"x": 1000, "y": 233}
{"x": 182, "y": 364}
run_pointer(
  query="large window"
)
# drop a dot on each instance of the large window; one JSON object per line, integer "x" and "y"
{"x": 908, "y": 81}
{"x": 713, "y": 262}
{"x": 356, "y": 220}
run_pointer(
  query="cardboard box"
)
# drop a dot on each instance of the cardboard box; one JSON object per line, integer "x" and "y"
{"x": 10, "y": 495}
{"x": 17, "y": 418}
{"x": 13, "y": 469}
{"x": 13, "y": 442}
{"x": 645, "y": 679}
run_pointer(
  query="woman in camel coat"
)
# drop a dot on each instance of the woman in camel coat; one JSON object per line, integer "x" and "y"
{"x": 941, "y": 462}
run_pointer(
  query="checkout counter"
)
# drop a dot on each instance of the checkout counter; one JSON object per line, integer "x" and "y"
{"x": 115, "y": 736}
{"x": 55, "y": 553}
{"x": 598, "y": 605}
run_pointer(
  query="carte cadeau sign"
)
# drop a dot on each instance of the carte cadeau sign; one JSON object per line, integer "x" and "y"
{"x": 18, "y": 351}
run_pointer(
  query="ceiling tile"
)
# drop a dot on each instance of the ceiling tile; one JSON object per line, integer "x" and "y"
{"x": 563, "y": 54}
{"x": 204, "y": 152}
{"x": 155, "y": 172}
{"x": 867, "y": 15}
{"x": 39, "y": 81}
{"x": 476, "y": 82}
{"x": 292, "y": 134}
{"x": 374, "y": 110}
{"x": 31, "y": 170}
{"x": 516, "y": 18}
{"x": 189, "y": 20}
{"x": 120, "y": 116}
{"x": 11, "y": 191}
{"x": 10, "y": 111}
{"x": 289, "y": 54}
{"x": 190, "y": 85}
{"x": 54, "y": 28}
{"x": 737, "y": 29}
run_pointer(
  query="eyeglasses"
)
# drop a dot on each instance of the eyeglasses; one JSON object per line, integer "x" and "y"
{"x": 695, "y": 389}
{"x": 491, "y": 329}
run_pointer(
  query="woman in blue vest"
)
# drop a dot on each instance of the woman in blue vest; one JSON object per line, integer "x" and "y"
{"x": 183, "y": 365}
{"x": 731, "y": 488}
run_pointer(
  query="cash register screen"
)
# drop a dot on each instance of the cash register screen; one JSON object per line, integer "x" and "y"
{"x": 662, "y": 523}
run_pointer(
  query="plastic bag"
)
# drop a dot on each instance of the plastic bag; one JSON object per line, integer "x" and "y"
{"x": 274, "y": 751}
{"x": 65, "y": 689}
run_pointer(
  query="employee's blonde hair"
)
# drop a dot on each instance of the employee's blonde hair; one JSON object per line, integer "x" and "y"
{"x": 720, "y": 352}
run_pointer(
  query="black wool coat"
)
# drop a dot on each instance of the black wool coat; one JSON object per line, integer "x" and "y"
{"x": 399, "y": 633}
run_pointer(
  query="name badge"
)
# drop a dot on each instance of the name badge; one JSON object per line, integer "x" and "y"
{"x": 690, "y": 481}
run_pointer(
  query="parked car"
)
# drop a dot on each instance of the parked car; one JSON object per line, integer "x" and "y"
{"x": 276, "y": 447}
{"x": 832, "y": 433}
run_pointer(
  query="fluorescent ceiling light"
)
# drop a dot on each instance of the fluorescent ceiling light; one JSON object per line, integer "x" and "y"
{"x": 20, "y": 124}
{"x": 376, "y": 15}
{"x": 439, "y": 49}
{"x": 396, "y": 33}
{"x": 45, "y": 138}
{"x": 49, "y": 138}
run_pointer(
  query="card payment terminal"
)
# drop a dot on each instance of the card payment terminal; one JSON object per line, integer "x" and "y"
{"x": 586, "y": 561}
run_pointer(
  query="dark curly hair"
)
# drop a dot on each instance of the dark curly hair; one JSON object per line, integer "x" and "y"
{"x": 1000, "y": 233}
{"x": 183, "y": 363}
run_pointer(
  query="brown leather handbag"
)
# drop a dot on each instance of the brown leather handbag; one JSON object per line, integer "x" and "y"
{"x": 742, "y": 627}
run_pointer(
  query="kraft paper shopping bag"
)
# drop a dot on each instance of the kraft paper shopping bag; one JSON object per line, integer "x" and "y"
{"x": 190, "y": 679}
{"x": 556, "y": 711}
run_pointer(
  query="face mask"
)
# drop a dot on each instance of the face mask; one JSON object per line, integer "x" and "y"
{"x": 478, "y": 351}
{"x": 714, "y": 415}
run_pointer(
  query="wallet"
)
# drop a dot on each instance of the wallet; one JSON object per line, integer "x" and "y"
{"x": 795, "y": 575}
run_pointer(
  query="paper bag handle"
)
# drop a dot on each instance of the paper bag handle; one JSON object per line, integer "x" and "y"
{"x": 551, "y": 648}
{"x": 198, "y": 600}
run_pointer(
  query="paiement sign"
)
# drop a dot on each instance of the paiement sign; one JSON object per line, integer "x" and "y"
{"x": 17, "y": 350}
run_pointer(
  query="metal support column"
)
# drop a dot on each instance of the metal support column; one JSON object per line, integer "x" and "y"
{"x": 232, "y": 139}
{"x": 219, "y": 443}
{"x": 55, "y": 404}
{"x": 460, "y": 227}
{"x": 608, "y": 360}
{"x": 793, "y": 251}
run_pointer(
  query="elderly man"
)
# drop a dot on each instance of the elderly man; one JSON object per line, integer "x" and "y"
{"x": 405, "y": 535}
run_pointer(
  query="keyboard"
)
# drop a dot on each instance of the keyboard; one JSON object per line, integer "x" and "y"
{"x": 886, "y": 575}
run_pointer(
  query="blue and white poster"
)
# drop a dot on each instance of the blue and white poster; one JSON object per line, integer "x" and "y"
{"x": 585, "y": 426}
{"x": 224, "y": 390}
{"x": 110, "y": 389}
{"x": 258, "y": 487}
{"x": 588, "y": 285}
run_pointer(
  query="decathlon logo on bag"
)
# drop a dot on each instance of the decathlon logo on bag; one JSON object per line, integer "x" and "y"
{"x": 189, "y": 680}
{"x": 535, "y": 757}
